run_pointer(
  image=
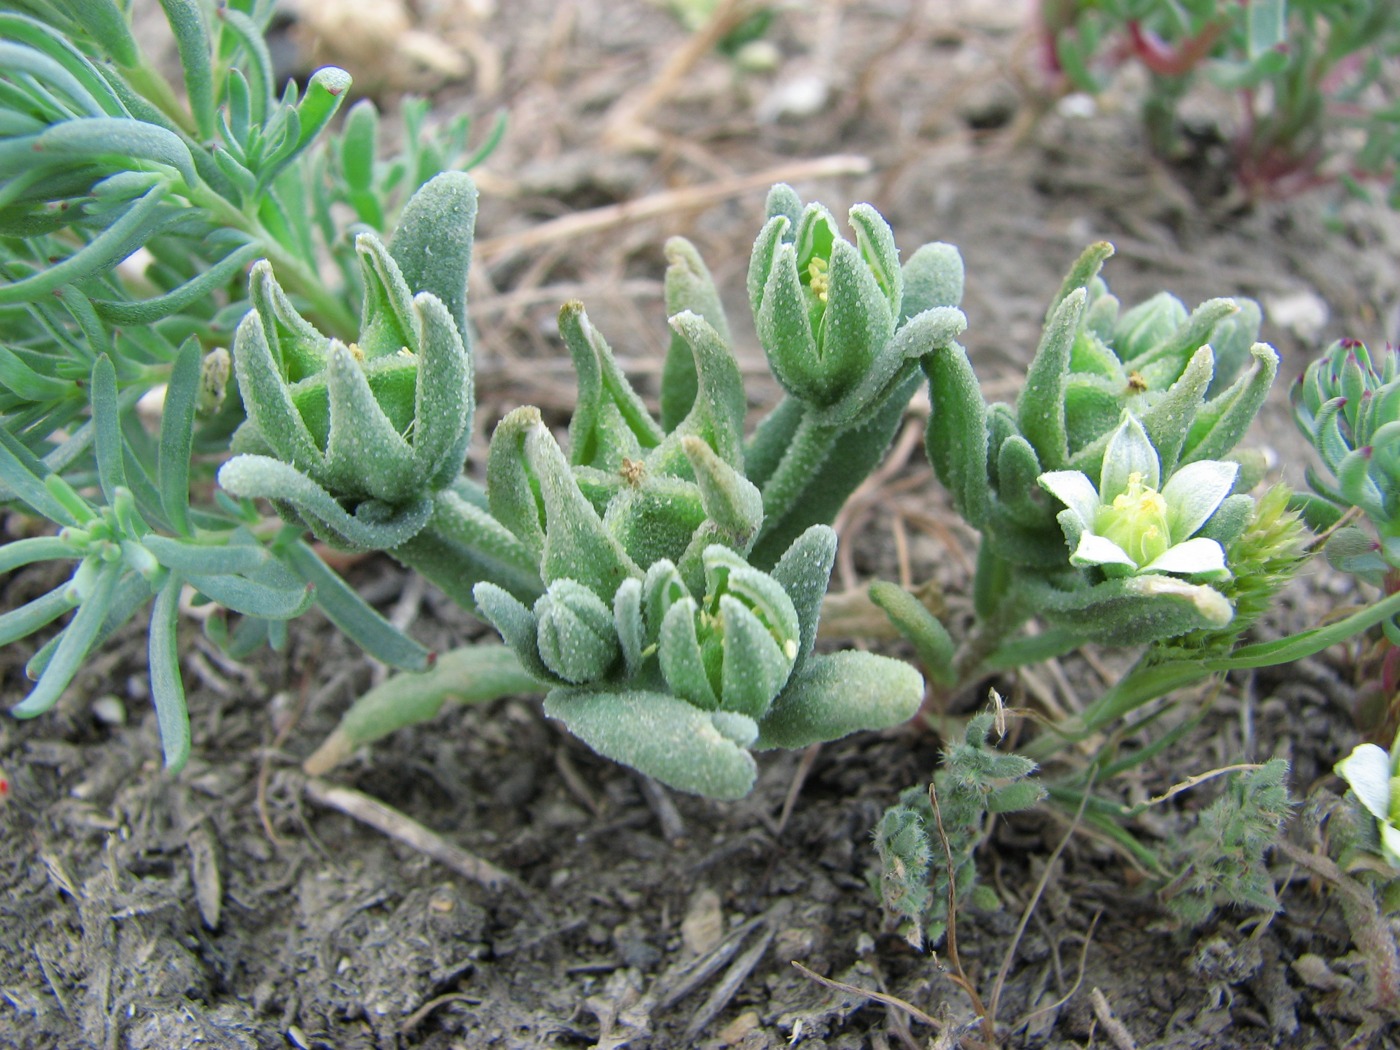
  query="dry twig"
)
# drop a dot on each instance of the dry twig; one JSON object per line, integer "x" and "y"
{"x": 391, "y": 822}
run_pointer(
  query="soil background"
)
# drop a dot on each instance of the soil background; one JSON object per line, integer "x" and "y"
{"x": 229, "y": 908}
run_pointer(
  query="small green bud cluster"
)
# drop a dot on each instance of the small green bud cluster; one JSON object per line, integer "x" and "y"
{"x": 1348, "y": 404}
{"x": 973, "y": 781}
{"x": 1222, "y": 859}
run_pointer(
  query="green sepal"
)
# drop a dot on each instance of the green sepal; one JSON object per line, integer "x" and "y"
{"x": 1017, "y": 468}
{"x": 876, "y": 247}
{"x": 298, "y": 349}
{"x": 1229, "y": 521}
{"x": 1223, "y": 420}
{"x": 366, "y": 455}
{"x": 275, "y": 420}
{"x": 785, "y": 332}
{"x": 577, "y": 638}
{"x": 512, "y": 488}
{"x": 837, "y": 694}
{"x": 1190, "y": 335}
{"x": 606, "y": 400}
{"x": 733, "y": 505}
{"x": 373, "y": 526}
{"x": 518, "y": 627}
{"x": 1167, "y": 420}
{"x": 803, "y": 572}
{"x": 444, "y": 398}
{"x": 659, "y": 735}
{"x": 387, "y": 321}
{"x": 1040, "y": 410}
{"x": 1147, "y": 325}
{"x": 681, "y": 658}
{"x": 1082, "y": 274}
{"x": 717, "y": 412}
{"x": 629, "y": 624}
{"x": 931, "y": 640}
{"x": 656, "y": 518}
{"x": 933, "y": 276}
{"x": 755, "y": 666}
{"x": 783, "y": 201}
{"x": 433, "y": 242}
{"x": 762, "y": 259}
{"x": 689, "y": 287}
{"x": 662, "y": 587}
{"x": 956, "y": 438}
{"x": 856, "y": 325}
{"x": 1134, "y": 610}
{"x": 576, "y": 543}
{"x": 923, "y": 334}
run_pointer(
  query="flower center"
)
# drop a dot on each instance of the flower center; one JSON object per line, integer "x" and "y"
{"x": 1136, "y": 521}
{"x": 818, "y": 278}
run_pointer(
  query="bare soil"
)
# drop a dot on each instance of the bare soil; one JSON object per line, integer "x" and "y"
{"x": 230, "y": 907}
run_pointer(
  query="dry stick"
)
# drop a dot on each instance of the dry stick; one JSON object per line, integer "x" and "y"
{"x": 879, "y": 997}
{"x": 959, "y": 975}
{"x": 666, "y": 203}
{"x": 627, "y": 125}
{"x": 804, "y": 767}
{"x": 1006, "y": 960}
{"x": 1200, "y": 778}
{"x": 391, "y": 822}
{"x": 1078, "y": 979}
{"x": 1117, "y": 1031}
{"x": 1363, "y": 917}
{"x": 735, "y": 976}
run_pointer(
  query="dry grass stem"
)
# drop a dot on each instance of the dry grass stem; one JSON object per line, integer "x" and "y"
{"x": 667, "y": 203}
{"x": 391, "y": 822}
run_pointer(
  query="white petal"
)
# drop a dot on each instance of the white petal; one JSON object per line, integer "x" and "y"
{"x": 1212, "y": 606}
{"x": 1129, "y": 452}
{"x": 1191, "y": 557}
{"x": 1367, "y": 770}
{"x": 1095, "y": 550}
{"x": 1390, "y": 844}
{"x": 1074, "y": 489}
{"x": 1195, "y": 491}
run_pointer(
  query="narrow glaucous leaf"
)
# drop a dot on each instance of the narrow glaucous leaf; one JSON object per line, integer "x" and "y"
{"x": 71, "y": 647}
{"x": 931, "y": 640}
{"x": 1040, "y": 409}
{"x": 167, "y": 687}
{"x": 689, "y": 287}
{"x": 474, "y": 674}
{"x": 177, "y": 436}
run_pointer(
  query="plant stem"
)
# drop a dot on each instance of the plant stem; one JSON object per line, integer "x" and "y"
{"x": 811, "y": 444}
{"x": 328, "y": 309}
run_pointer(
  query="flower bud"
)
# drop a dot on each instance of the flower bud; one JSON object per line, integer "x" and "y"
{"x": 577, "y": 639}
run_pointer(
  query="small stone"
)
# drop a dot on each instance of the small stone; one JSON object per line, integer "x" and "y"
{"x": 737, "y": 1030}
{"x": 703, "y": 925}
{"x": 109, "y": 710}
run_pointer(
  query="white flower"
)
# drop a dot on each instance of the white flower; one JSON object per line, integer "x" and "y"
{"x": 1375, "y": 780}
{"x": 1126, "y": 525}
